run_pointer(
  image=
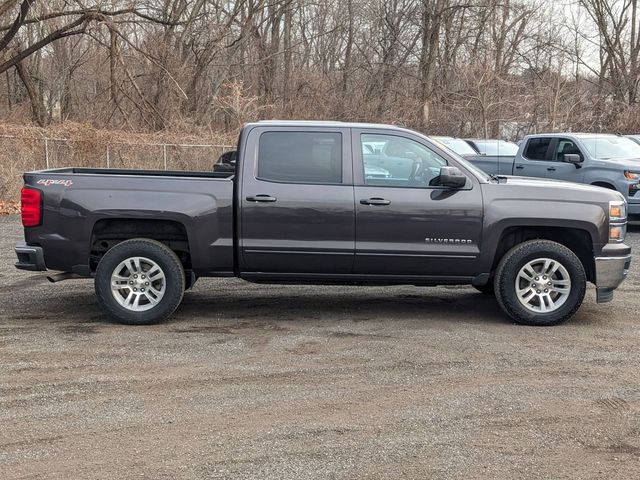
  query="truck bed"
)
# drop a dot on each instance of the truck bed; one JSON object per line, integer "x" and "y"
{"x": 136, "y": 172}
{"x": 78, "y": 202}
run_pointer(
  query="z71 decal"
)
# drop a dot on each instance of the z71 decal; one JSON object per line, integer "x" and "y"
{"x": 50, "y": 181}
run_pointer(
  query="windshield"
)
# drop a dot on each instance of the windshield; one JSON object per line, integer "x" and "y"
{"x": 604, "y": 148}
{"x": 457, "y": 145}
{"x": 496, "y": 147}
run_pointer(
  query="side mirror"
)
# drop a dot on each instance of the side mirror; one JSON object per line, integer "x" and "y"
{"x": 452, "y": 177}
{"x": 572, "y": 158}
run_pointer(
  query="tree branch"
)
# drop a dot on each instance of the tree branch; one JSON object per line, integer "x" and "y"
{"x": 17, "y": 23}
{"x": 97, "y": 11}
{"x": 63, "y": 32}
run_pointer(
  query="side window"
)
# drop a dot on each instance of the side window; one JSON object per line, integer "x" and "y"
{"x": 300, "y": 157}
{"x": 537, "y": 148}
{"x": 565, "y": 146}
{"x": 391, "y": 160}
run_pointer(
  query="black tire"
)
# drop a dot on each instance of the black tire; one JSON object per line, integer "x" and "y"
{"x": 159, "y": 253}
{"x": 515, "y": 259}
{"x": 486, "y": 289}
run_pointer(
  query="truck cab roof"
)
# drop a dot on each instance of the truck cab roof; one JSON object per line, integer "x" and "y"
{"x": 325, "y": 123}
{"x": 573, "y": 134}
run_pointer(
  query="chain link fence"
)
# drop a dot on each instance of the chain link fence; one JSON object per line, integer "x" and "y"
{"x": 22, "y": 154}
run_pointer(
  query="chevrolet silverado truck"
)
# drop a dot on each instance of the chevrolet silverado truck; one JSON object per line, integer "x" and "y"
{"x": 604, "y": 160}
{"x": 300, "y": 208}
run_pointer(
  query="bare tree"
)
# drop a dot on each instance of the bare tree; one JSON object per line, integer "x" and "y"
{"x": 481, "y": 67}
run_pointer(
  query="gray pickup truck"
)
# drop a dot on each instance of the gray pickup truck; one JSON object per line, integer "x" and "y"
{"x": 608, "y": 161}
{"x": 301, "y": 208}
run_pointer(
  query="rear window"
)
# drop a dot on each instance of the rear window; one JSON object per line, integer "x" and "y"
{"x": 300, "y": 157}
{"x": 537, "y": 148}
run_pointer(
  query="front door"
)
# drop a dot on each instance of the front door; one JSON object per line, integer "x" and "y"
{"x": 405, "y": 225}
{"x": 560, "y": 169}
{"x": 297, "y": 213}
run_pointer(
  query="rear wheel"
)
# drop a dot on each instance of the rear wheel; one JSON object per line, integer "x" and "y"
{"x": 140, "y": 282}
{"x": 540, "y": 282}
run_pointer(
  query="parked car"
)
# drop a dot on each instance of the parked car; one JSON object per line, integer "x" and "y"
{"x": 608, "y": 161}
{"x": 635, "y": 138}
{"x": 482, "y": 153}
{"x": 457, "y": 145}
{"x": 300, "y": 208}
{"x": 371, "y": 171}
{"x": 493, "y": 148}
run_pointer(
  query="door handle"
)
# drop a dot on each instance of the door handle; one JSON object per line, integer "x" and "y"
{"x": 519, "y": 167}
{"x": 262, "y": 198}
{"x": 375, "y": 201}
{"x": 551, "y": 169}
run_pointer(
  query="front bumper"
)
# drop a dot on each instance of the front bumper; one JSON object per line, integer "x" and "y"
{"x": 610, "y": 272}
{"x": 29, "y": 257}
{"x": 633, "y": 206}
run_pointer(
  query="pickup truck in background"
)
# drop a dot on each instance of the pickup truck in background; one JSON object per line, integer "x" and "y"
{"x": 604, "y": 160}
{"x": 299, "y": 207}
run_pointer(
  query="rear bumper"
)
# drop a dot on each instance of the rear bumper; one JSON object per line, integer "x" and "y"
{"x": 29, "y": 257}
{"x": 610, "y": 272}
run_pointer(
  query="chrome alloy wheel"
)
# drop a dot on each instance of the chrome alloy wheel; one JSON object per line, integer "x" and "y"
{"x": 138, "y": 284}
{"x": 543, "y": 285}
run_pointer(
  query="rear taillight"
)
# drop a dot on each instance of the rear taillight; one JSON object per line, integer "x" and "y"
{"x": 31, "y": 207}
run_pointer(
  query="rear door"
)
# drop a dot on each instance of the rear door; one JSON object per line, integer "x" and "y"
{"x": 406, "y": 226}
{"x": 297, "y": 212}
{"x": 536, "y": 159}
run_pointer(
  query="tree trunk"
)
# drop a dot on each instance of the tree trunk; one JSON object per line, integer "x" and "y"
{"x": 346, "y": 66}
{"x": 9, "y": 94}
{"x": 113, "y": 67}
{"x": 431, "y": 20}
{"x": 37, "y": 108}
{"x": 286, "y": 84}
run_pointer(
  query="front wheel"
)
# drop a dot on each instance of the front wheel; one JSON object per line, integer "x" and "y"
{"x": 540, "y": 283}
{"x": 140, "y": 282}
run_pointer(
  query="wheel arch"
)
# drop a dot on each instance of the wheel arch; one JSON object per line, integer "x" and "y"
{"x": 108, "y": 232}
{"x": 602, "y": 184}
{"x": 575, "y": 239}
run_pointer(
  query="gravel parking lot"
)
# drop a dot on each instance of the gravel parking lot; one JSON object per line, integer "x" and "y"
{"x": 249, "y": 381}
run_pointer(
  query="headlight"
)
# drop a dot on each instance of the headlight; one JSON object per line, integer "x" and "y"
{"x": 617, "y": 221}
{"x": 629, "y": 175}
{"x": 617, "y": 210}
{"x": 617, "y": 233}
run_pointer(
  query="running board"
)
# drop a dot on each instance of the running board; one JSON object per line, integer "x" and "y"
{"x": 58, "y": 277}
